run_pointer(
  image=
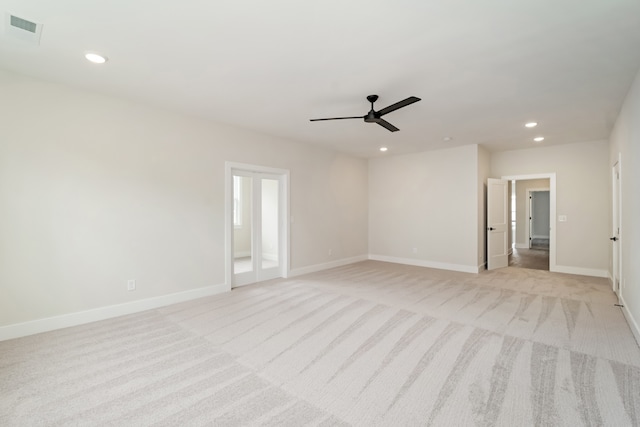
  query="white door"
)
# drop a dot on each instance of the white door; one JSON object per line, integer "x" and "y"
{"x": 497, "y": 224}
{"x": 615, "y": 238}
{"x": 257, "y": 232}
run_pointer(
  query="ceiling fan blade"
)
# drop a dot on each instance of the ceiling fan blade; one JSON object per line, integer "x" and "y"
{"x": 386, "y": 124}
{"x": 337, "y": 118}
{"x": 394, "y": 107}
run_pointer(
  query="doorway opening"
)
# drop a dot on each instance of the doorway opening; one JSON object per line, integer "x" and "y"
{"x": 532, "y": 237}
{"x": 538, "y": 219}
{"x": 257, "y": 231}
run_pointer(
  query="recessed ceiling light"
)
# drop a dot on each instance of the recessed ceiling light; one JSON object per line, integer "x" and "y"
{"x": 447, "y": 138}
{"x": 538, "y": 138}
{"x": 383, "y": 149}
{"x": 531, "y": 124}
{"x": 95, "y": 58}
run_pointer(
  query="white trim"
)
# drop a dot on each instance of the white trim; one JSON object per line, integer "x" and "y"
{"x": 428, "y": 264}
{"x": 594, "y": 272}
{"x": 241, "y": 284}
{"x": 522, "y": 246}
{"x": 327, "y": 265}
{"x": 633, "y": 324}
{"x": 101, "y": 313}
{"x": 552, "y": 210}
{"x": 228, "y": 219}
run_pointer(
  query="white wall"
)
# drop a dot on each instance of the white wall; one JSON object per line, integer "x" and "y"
{"x": 428, "y": 201}
{"x": 625, "y": 140}
{"x": 582, "y": 184}
{"x": 96, "y": 190}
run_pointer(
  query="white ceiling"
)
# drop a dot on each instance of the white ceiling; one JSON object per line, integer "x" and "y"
{"x": 482, "y": 68}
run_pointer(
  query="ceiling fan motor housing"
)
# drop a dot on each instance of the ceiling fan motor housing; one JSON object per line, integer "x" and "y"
{"x": 371, "y": 116}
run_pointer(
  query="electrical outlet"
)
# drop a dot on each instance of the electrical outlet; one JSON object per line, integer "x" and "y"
{"x": 330, "y": 252}
{"x": 131, "y": 285}
{"x": 415, "y": 250}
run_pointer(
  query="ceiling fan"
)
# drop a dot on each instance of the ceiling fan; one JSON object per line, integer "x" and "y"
{"x": 374, "y": 116}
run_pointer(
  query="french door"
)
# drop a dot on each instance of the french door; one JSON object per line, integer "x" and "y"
{"x": 258, "y": 236}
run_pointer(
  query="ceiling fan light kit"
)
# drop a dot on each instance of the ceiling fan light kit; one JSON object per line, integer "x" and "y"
{"x": 374, "y": 116}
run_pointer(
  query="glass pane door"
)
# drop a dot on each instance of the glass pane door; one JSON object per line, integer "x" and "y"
{"x": 242, "y": 224}
{"x": 269, "y": 224}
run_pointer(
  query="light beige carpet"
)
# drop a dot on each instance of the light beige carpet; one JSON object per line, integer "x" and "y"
{"x": 367, "y": 344}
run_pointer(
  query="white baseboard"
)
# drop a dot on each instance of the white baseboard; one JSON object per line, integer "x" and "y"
{"x": 633, "y": 324}
{"x": 581, "y": 271}
{"x": 539, "y": 237}
{"x": 79, "y": 318}
{"x": 429, "y": 264}
{"x": 522, "y": 246}
{"x": 327, "y": 265}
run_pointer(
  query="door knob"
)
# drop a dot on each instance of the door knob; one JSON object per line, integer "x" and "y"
{"x": 491, "y": 228}
{"x": 614, "y": 238}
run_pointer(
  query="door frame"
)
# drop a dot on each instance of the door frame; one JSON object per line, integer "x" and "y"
{"x": 529, "y": 214}
{"x": 552, "y": 210}
{"x": 229, "y": 169}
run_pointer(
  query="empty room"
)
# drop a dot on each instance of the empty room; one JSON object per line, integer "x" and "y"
{"x": 314, "y": 214}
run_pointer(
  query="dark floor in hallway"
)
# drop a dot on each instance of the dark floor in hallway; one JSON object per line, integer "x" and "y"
{"x": 537, "y": 259}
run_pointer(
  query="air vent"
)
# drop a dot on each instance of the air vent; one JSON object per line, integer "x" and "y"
{"x": 23, "y": 24}
{"x": 23, "y": 29}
